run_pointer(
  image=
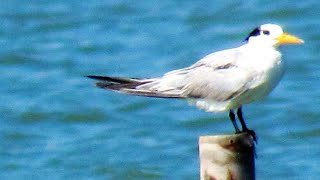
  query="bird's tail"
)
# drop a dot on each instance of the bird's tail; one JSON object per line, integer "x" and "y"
{"x": 130, "y": 86}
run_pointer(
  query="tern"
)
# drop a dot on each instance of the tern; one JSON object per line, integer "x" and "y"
{"x": 221, "y": 81}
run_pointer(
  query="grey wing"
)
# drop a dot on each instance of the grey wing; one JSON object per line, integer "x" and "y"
{"x": 219, "y": 84}
{"x": 216, "y": 77}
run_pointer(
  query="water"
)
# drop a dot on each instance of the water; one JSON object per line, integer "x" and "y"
{"x": 56, "y": 125}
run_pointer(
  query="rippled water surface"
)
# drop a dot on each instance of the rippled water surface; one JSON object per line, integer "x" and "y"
{"x": 56, "y": 125}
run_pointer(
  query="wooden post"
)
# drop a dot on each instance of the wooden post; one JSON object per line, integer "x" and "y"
{"x": 227, "y": 157}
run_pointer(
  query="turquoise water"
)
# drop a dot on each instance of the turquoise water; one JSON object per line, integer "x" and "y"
{"x": 56, "y": 125}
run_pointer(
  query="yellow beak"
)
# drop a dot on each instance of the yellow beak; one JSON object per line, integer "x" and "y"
{"x": 289, "y": 39}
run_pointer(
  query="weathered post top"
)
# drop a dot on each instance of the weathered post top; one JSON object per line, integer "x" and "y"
{"x": 227, "y": 157}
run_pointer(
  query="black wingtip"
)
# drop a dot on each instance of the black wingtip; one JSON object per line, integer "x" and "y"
{"x": 90, "y": 76}
{"x": 96, "y": 77}
{"x": 107, "y": 78}
{"x": 119, "y": 80}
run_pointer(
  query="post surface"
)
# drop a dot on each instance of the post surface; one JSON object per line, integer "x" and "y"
{"x": 227, "y": 157}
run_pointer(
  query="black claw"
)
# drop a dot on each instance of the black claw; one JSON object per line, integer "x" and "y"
{"x": 253, "y": 134}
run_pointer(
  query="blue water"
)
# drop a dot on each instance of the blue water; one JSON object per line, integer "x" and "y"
{"x": 56, "y": 125}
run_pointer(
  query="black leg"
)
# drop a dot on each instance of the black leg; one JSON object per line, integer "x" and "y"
{"x": 233, "y": 120}
{"x": 241, "y": 119}
{"x": 244, "y": 126}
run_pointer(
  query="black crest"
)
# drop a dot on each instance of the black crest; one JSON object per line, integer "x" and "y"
{"x": 255, "y": 32}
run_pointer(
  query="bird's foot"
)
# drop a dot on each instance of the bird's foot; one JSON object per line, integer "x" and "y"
{"x": 252, "y": 133}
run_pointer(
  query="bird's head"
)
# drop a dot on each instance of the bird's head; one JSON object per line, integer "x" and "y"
{"x": 271, "y": 35}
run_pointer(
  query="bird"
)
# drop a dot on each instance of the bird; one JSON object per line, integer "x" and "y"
{"x": 222, "y": 81}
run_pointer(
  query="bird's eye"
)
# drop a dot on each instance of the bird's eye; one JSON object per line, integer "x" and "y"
{"x": 266, "y": 32}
